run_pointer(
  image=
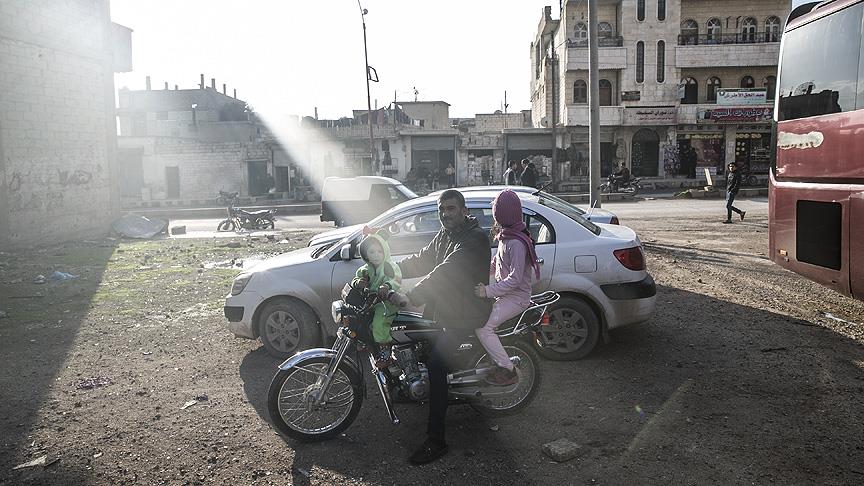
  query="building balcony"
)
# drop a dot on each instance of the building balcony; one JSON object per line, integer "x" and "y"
{"x": 578, "y": 115}
{"x": 614, "y": 41}
{"x": 732, "y": 50}
{"x": 609, "y": 58}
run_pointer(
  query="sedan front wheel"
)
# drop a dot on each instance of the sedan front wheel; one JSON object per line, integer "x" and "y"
{"x": 572, "y": 332}
{"x": 286, "y": 327}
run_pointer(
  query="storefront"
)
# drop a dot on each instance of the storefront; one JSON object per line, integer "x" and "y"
{"x": 753, "y": 149}
{"x": 698, "y": 149}
{"x": 430, "y": 158}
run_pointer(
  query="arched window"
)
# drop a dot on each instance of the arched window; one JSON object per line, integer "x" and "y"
{"x": 580, "y": 34}
{"x": 748, "y": 30}
{"x": 714, "y": 29}
{"x": 772, "y": 29}
{"x": 748, "y": 82}
{"x": 661, "y": 10}
{"x": 640, "y": 62}
{"x": 689, "y": 32}
{"x": 713, "y": 86}
{"x": 661, "y": 61}
{"x": 580, "y": 92}
{"x": 640, "y": 10}
{"x": 691, "y": 91}
{"x": 605, "y": 92}
{"x": 770, "y": 84}
{"x": 604, "y": 29}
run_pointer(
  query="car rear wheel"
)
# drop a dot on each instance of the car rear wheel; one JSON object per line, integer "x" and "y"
{"x": 286, "y": 327}
{"x": 572, "y": 333}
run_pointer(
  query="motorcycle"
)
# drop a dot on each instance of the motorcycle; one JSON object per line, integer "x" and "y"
{"x": 239, "y": 218}
{"x": 317, "y": 393}
{"x": 631, "y": 187}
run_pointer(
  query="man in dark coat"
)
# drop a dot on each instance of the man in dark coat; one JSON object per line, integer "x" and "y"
{"x": 733, "y": 184}
{"x": 529, "y": 174}
{"x": 453, "y": 263}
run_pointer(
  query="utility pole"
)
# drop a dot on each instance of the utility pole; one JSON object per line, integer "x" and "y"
{"x": 554, "y": 170}
{"x": 594, "y": 107}
{"x": 363, "y": 13}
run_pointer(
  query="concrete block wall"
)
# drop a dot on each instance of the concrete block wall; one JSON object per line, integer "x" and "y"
{"x": 57, "y": 130}
{"x": 497, "y": 122}
{"x": 204, "y": 167}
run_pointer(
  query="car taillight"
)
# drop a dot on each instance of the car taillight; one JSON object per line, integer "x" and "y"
{"x": 632, "y": 258}
{"x": 614, "y": 220}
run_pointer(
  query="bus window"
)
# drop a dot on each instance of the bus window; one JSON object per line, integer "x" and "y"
{"x": 819, "y": 69}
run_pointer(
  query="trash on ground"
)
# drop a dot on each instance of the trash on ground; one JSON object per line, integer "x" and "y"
{"x": 303, "y": 472}
{"x": 202, "y": 398}
{"x": 833, "y": 317}
{"x": 563, "y": 450}
{"x": 494, "y": 428}
{"x": 39, "y": 461}
{"x": 146, "y": 353}
{"x": 95, "y": 382}
{"x": 61, "y": 276}
{"x": 135, "y": 226}
{"x": 3, "y": 315}
{"x": 188, "y": 404}
{"x": 39, "y": 279}
{"x": 178, "y": 230}
{"x": 97, "y": 455}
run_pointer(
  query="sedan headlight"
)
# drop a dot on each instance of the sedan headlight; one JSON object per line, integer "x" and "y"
{"x": 240, "y": 283}
{"x": 336, "y": 311}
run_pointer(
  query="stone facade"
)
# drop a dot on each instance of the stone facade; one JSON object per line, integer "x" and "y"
{"x": 647, "y": 58}
{"x": 58, "y": 174}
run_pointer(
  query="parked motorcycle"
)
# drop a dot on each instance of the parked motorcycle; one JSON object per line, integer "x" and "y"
{"x": 631, "y": 187}
{"x": 239, "y": 218}
{"x": 317, "y": 393}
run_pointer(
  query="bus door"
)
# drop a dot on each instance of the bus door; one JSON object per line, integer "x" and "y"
{"x": 856, "y": 245}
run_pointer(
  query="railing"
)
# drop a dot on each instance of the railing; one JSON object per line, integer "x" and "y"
{"x": 719, "y": 39}
{"x": 601, "y": 42}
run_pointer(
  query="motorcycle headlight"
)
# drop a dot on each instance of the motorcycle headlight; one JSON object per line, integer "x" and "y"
{"x": 336, "y": 311}
{"x": 240, "y": 283}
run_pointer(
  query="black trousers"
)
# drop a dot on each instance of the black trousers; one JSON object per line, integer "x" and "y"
{"x": 440, "y": 362}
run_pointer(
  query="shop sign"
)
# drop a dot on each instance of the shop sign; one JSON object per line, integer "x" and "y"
{"x": 631, "y": 95}
{"x": 664, "y": 115}
{"x": 735, "y": 115}
{"x": 741, "y": 96}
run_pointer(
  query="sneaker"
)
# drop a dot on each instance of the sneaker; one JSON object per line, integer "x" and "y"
{"x": 502, "y": 377}
{"x": 728, "y": 221}
{"x": 428, "y": 452}
{"x": 742, "y": 215}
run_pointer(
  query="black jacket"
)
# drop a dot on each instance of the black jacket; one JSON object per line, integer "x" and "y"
{"x": 453, "y": 262}
{"x": 529, "y": 176}
{"x": 733, "y": 181}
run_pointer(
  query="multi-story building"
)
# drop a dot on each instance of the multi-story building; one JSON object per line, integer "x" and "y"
{"x": 58, "y": 139}
{"x": 683, "y": 83}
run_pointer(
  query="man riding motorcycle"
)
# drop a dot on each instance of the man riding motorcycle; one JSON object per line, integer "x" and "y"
{"x": 620, "y": 177}
{"x": 454, "y": 261}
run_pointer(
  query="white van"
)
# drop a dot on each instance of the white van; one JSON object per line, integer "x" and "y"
{"x": 354, "y": 200}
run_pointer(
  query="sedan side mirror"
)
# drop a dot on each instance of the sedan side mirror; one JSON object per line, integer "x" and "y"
{"x": 345, "y": 253}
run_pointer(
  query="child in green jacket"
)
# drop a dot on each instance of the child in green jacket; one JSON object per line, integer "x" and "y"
{"x": 382, "y": 274}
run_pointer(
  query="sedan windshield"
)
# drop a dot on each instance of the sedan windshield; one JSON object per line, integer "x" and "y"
{"x": 568, "y": 210}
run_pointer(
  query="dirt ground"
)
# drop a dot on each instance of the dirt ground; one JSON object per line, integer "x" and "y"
{"x": 747, "y": 374}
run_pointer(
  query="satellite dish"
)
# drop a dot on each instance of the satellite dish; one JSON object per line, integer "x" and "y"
{"x": 544, "y": 121}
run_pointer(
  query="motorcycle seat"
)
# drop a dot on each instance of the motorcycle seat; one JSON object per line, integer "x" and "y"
{"x": 260, "y": 212}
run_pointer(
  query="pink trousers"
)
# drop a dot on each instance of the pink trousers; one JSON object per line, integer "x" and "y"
{"x": 502, "y": 310}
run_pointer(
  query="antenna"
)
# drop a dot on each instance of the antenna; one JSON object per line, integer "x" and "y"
{"x": 505, "y": 102}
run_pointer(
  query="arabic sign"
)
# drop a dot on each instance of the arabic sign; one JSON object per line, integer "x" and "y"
{"x": 631, "y": 95}
{"x": 735, "y": 115}
{"x": 737, "y": 97}
{"x": 663, "y": 115}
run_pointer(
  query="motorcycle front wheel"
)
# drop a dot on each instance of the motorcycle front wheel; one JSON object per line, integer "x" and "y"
{"x": 291, "y": 400}
{"x": 226, "y": 225}
{"x": 523, "y": 392}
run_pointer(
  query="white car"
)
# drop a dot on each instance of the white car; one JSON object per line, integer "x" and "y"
{"x": 599, "y": 270}
{"x": 592, "y": 214}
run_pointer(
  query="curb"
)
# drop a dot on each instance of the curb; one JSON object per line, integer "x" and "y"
{"x": 195, "y": 213}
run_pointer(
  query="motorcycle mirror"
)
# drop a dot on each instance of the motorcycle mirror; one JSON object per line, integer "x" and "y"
{"x": 345, "y": 253}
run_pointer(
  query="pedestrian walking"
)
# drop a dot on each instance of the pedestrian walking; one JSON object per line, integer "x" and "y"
{"x": 511, "y": 175}
{"x": 733, "y": 184}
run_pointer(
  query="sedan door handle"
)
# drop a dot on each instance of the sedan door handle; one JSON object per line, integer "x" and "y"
{"x": 540, "y": 261}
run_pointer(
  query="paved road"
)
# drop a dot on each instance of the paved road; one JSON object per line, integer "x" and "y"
{"x": 636, "y": 210}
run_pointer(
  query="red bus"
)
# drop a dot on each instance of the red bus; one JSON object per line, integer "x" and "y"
{"x": 816, "y": 198}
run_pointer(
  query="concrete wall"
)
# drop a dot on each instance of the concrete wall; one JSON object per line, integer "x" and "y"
{"x": 57, "y": 130}
{"x": 435, "y": 114}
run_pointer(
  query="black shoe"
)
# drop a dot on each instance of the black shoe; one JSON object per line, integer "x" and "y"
{"x": 742, "y": 215}
{"x": 502, "y": 377}
{"x": 428, "y": 452}
{"x": 728, "y": 221}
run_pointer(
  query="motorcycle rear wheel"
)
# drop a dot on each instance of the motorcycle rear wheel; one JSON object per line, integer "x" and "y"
{"x": 226, "y": 225}
{"x": 529, "y": 381}
{"x": 266, "y": 224}
{"x": 291, "y": 393}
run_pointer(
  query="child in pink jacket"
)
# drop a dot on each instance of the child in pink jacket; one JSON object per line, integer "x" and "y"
{"x": 513, "y": 266}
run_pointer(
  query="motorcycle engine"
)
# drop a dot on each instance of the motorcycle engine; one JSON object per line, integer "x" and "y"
{"x": 414, "y": 380}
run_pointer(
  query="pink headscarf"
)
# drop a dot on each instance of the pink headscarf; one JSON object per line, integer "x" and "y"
{"x": 507, "y": 210}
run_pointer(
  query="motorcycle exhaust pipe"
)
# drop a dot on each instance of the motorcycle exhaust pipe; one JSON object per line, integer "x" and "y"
{"x": 381, "y": 381}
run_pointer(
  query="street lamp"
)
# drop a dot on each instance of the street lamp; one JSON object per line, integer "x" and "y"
{"x": 369, "y": 71}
